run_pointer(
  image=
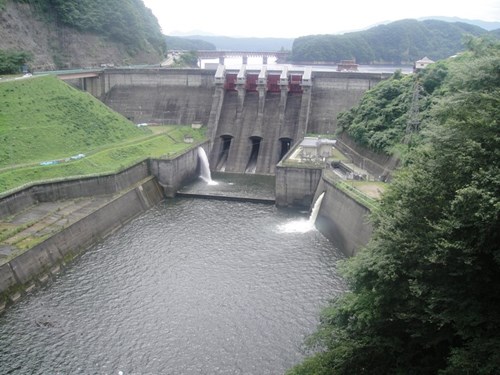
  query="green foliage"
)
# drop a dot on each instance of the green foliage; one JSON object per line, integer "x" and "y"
{"x": 379, "y": 121}
{"x": 12, "y": 61}
{"x": 423, "y": 294}
{"x": 104, "y": 160}
{"x": 186, "y": 59}
{"x": 126, "y": 21}
{"x": 400, "y": 42}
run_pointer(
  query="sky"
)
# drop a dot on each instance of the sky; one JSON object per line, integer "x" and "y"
{"x": 285, "y": 19}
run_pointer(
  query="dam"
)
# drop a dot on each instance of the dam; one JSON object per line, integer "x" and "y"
{"x": 192, "y": 286}
{"x": 252, "y": 116}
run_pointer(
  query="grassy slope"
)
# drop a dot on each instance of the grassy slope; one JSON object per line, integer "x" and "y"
{"x": 43, "y": 119}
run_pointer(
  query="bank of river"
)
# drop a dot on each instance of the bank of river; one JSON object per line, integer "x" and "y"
{"x": 190, "y": 287}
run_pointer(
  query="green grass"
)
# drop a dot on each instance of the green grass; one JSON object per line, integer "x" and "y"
{"x": 44, "y": 118}
{"x": 106, "y": 160}
{"x": 357, "y": 195}
{"x": 338, "y": 156}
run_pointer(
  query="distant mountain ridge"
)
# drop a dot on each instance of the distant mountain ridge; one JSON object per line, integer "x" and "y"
{"x": 400, "y": 42}
{"x": 487, "y": 25}
{"x": 221, "y": 42}
{"x": 187, "y": 44}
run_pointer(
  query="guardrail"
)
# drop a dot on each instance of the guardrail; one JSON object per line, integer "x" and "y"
{"x": 350, "y": 190}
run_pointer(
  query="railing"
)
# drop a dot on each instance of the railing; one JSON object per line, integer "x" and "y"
{"x": 350, "y": 190}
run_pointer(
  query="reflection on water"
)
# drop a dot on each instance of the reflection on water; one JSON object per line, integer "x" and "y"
{"x": 190, "y": 287}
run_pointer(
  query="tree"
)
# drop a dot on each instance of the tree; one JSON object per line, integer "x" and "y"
{"x": 400, "y": 42}
{"x": 12, "y": 61}
{"x": 379, "y": 120}
{"x": 423, "y": 294}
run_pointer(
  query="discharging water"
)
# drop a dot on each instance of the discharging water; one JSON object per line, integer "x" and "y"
{"x": 190, "y": 287}
{"x": 302, "y": 225}
{"x": 205, "y": 173}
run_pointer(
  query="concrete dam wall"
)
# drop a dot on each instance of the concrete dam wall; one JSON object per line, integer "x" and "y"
{"x": 152, "y": 96}
{"x": 252, "y": 117}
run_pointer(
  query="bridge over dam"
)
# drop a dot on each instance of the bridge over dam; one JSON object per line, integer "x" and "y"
{"x": 252, "y": 116}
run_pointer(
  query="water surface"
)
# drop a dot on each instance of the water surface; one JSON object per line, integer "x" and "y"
{"x": 190, "y": 287}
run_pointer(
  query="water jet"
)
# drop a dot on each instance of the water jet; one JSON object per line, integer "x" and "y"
{"x": 205, "y": 167}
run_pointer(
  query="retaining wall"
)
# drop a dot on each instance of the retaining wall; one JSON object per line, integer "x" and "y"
{"x": 377, "y": 164}
{"x": 37, "y": 263}
{"x": 173, "y": 173}
{"x": 296, "y": 187}
{"x": 343, "y": 220}
{"x": 82, "y": 187}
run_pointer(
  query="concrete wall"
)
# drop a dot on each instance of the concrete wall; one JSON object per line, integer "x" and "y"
{"x": 335, "y": 92}
{"x": 35, "y": 264}
{"x": 179, "y": 105}
{"x": 344, "y": 221}
{"x": 139, "y": 192}
{"x": 82, "y": 187}
{"x": 296, "y": 187}
{"x": 158, "y": 77}
{"x": 183, "y": 96}
{"x": 174, "y": 173}
{"x": 341, "y": 219}
{"x": 166, "y": 96}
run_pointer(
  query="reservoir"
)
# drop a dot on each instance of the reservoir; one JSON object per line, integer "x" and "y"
{"x": 193, "y": 286}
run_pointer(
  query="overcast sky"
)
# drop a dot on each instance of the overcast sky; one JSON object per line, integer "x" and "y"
{"x": 278, "y": 18}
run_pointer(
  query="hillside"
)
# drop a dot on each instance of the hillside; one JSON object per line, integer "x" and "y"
{"x": 43, "y": 119}
{"x": 66, "y": 34}
{"x": 400, "y": 42}
{"x": 185, "y": 44}
{"x": 423, "y": 294}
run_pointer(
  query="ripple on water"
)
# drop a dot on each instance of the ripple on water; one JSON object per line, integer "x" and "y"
{"x": 190, "y": 287}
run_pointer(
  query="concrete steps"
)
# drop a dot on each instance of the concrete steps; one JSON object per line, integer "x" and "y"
{"x": 37, "y": 222}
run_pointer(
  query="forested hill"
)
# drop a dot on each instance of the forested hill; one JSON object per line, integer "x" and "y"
{"x": 400, "y": 42}
{"x": 75, "y": 33}
{"x": 423, "y": 295}
{"x": 178, "y": 43}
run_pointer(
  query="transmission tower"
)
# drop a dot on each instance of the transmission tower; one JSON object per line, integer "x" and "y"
{"x": 413, "y": 124}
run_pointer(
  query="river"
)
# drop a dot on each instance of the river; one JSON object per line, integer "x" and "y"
{"x": 192, "y": 286}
